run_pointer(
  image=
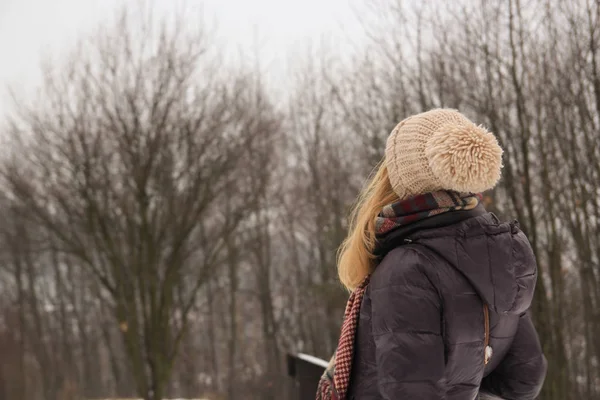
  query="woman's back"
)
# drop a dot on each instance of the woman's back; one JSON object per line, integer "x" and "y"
{"x": 421, "y": 331}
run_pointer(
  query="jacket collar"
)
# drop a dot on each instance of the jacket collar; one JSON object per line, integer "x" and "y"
{"x": 397, "y": 237}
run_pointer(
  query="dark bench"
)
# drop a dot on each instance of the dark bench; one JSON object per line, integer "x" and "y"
{"x": 305, "y": 372}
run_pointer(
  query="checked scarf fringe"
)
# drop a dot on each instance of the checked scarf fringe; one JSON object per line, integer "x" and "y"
{"x": 334, "y": 383}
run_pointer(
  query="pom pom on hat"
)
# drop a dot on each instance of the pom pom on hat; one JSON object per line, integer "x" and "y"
{"x": 464, "y": 158}
{"x": 442, "y": 150}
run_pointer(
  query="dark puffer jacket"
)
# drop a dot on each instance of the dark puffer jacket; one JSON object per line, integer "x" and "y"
{"x": 421, "y": 327}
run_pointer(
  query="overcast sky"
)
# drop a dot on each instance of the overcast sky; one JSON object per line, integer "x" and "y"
{"x": 32, "y": 29}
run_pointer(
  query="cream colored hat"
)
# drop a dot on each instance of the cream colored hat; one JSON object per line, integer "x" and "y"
{"x": 442, "y": 149}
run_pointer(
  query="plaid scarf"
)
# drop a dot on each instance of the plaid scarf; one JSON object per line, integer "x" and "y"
{"x": 423, "y": 206}
{"x": 334, "y": 383}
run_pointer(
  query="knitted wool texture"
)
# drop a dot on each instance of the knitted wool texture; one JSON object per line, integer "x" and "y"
{"x": 441, "y": 149}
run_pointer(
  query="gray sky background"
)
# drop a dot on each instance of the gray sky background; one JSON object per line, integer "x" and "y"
{"x": 279, "y": 30}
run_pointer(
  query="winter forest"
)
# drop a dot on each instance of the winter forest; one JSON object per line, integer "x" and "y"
{"x": 171, "y": 220}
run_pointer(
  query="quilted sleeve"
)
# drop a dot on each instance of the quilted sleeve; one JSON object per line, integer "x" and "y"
{"x": 521, "y": 373}
{"x": 406, "y": 323}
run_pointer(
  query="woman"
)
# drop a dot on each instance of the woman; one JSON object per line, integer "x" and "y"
{"x": 441, "y": 288}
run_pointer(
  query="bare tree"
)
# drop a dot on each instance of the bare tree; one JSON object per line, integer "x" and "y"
{"x": 122, "y": 163}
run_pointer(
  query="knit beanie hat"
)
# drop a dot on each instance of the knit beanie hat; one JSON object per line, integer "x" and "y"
{"x": 441, "y": 149}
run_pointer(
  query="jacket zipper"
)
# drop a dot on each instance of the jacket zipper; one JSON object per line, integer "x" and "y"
{"x": 486, "y": 341}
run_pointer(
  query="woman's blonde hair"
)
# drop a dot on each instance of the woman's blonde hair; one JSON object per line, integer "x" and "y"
{"x": 355, "y": 256}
